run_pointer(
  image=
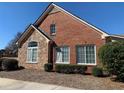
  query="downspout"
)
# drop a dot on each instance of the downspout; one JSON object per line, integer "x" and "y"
{"x": 50, "y": 52}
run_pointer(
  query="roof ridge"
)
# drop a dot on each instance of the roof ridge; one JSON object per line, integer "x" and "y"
{"x": 52, "y": 5}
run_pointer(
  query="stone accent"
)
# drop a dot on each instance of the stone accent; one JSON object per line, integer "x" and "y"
{"x": 42, "y": 51}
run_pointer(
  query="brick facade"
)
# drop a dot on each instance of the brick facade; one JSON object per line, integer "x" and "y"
{"x": 71, "y": 32}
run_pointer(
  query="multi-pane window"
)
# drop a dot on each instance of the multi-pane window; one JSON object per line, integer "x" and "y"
{"x": 32, "y": 52}
{"x": 62, "y": 54}
{"x": 86, "y": 54}
{"x": 81, "y": 54}
{"x": 52, "y": 28}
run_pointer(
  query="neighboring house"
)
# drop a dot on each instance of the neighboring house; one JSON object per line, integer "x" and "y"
{"x": 60, "y": 37}
{"x": 113, "y": 38}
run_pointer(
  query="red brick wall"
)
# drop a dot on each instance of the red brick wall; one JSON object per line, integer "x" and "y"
{"x": 71, "y": 32}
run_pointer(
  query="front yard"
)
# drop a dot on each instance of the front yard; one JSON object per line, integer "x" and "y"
{"x": 68, "y": 80}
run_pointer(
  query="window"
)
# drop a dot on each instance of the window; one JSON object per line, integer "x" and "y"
{"x": 62, "y": 55}
{"x": 52, "y": 28}
{"x": 32, "y": 52}
{"x": 86, "y": 54}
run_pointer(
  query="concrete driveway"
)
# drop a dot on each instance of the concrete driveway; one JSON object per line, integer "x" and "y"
{"x": 10, "y": 84}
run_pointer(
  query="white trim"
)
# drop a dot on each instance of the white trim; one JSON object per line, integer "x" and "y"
{"x": 95, "y": 55}
{"x": 85, "y": 57}
{"x": 117, "y": 36}
{"x": 113, "y": 40}
{"x": 31, "y": 62}
{"x": 53, "y": 34}
{"x": 86, "y": 64}
{"x": 85, "y": 54}
{"x": 63, "y": 62}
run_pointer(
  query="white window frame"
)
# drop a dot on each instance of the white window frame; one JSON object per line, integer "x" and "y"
{"x": 31, "y": 54}
{"x": 66, "y": 62}
{"x": 85, "y": 56}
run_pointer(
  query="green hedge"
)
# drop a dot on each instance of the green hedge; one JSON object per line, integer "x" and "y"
{"x": 1, "y": 60}
{"x": 10, "y": 64}
{"x": 112, "y": 57}
{"x": 48, "y": 67}
{"x": 1, "y": 64}
{"x": 98, "y": 72}
{"x": 70, "y": 69}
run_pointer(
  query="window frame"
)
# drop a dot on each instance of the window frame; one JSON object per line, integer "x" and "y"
{"x": 85, "y": 54}
{"x": 51, "y": 28}
{"x": 59, "y": 62}
{"x": 32, "y": 62}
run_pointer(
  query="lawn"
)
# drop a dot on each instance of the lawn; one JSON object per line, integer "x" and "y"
{"x": 68, "y": 80}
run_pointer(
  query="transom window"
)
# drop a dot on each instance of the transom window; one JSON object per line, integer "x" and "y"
{"x": 32, "y": 52}
{"x": 52, "y": 28}
{"x": 62, "y": 54}
{"x": 86, "y": 54}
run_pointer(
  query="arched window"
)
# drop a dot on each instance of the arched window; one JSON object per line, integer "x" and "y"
{"x": 32, "y": 52}
{"x": 32, "y": 44}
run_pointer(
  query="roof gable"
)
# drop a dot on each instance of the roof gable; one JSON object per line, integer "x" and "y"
{"x": 51, "y": 6}
{"x": 27, "y": 31}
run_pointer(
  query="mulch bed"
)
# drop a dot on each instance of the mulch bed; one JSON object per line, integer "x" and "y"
{"x": 68, "y": 80}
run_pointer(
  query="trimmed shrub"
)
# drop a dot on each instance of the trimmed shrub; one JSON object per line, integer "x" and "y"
{"x": 120, "y": 74}
{"x": 70, "y": 69}
{"x": 10, "y": 64}
{"x": 48, "y": 67}
{"x": 120, "y": 77}
{"x": 1, "y": 60}
{"x": 112, "y": 57}
{"x": 97, "y": 72}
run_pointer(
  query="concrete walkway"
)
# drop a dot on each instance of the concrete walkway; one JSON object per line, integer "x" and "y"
{"x": 10, "y": 84}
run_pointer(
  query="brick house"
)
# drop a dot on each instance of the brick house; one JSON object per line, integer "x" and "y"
{"x": 60, "y": 37}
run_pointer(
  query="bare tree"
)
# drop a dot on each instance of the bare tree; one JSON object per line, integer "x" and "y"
{"x": 12, "y": 48}
{"x": 2, "y": 52}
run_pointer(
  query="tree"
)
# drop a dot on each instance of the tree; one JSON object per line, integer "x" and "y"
{"x": 112, "y": 57}
{"x": 12, "y": 48}
{"x": 2, "y": 52}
